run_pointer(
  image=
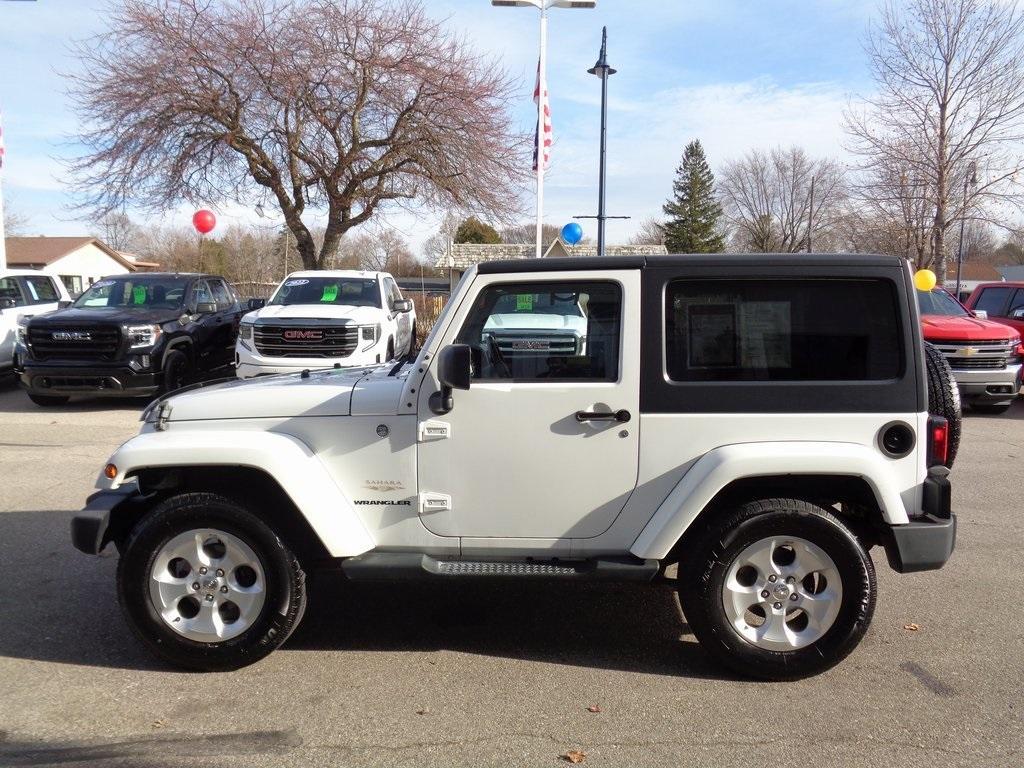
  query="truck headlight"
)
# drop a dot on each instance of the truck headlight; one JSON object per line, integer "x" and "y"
{"x": 245, "y": 331}
{"x": 370, "y": 334}
{"x": 23, "y": 331}
{"x": 142, "y": 336}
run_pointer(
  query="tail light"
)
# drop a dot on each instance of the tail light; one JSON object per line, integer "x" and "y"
{"x": 938, "y": 441}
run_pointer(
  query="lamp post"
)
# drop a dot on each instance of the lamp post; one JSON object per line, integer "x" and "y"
{"x": 542, "y": 6}
{"x": 970, "y": 180}
{"x": 602, "y": 70}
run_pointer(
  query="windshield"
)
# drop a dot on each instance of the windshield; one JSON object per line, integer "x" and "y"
{"x": 939, "y": 302}
{"x": 564, "y": 304}
{"x": 135, "y": 293}
{"x": 344, "y": 291}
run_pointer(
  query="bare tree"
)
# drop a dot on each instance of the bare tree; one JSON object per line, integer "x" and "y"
{"x": 650, "y": 232}
{"x": 385, "y": 250}
{"x": 341, "y": 106}
{"x": 524, "y": 234}
{"x": 15, "y": 223}
{"x": 118, "y": 231}
{"x": 950, "y": 91}
{"x": 437, "y": 244}
{"x": 767, "y": 198}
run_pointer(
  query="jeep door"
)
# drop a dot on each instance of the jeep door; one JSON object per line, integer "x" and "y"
{"x": 544, "y": 444}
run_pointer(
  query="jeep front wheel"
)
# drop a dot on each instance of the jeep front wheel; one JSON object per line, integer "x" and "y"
{"x": 780, "y": 589}
{"x": 207, "y": 585}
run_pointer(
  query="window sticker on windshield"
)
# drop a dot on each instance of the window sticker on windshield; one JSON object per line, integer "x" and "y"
{"x": 330, "y": 293}
{"x": 139, "y": 294}
{"x": 102, "y": 283}
{"x": 524, "y": 302}
{"x": 294, "y": 283}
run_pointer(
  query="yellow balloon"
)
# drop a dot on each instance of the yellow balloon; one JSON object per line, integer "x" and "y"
{"x": 924, "y": 280}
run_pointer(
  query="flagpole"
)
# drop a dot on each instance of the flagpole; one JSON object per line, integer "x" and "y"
{"x": 543, "y": 85}
{"x": 3, "y": 234}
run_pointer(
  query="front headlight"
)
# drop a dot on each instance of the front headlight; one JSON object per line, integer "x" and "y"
{"x": 369, "y": 334}
{"x": 142, "y": 336}
{"x": 23, "y": 331}
{"x": 245, "y": 331}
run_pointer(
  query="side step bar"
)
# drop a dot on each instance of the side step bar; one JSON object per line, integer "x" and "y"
{"x": 398, "y": 566}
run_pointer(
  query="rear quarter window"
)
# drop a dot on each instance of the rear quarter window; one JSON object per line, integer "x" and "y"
{"x": 782, "y": 331}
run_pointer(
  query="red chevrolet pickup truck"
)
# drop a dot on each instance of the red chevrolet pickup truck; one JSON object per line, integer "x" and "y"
{"x": 985, "y": 355}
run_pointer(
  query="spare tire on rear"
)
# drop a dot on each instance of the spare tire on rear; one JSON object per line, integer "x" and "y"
{"x": 943, "y": 396}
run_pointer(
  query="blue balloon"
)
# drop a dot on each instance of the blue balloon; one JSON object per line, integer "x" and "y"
{"x": 572, "y": 233}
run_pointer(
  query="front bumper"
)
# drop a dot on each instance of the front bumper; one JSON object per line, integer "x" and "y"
{"x": 106, "y": 515}
{"x": 927, "y": 541}
{"x": 989, "y": 386}
{"x": 116, "y": 380}
{"x": 249, "y": 363}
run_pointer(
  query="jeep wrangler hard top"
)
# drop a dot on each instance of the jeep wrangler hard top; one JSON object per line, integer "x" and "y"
{"x": 759, "y": 421}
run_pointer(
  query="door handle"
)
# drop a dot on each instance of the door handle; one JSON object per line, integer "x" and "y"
{"x": 620, "y": 416}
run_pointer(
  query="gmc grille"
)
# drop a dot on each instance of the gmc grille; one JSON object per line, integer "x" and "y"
{"x": 306, "y": 341}
{"x": 79, "y": 342}
{"x": 536, "y": 343}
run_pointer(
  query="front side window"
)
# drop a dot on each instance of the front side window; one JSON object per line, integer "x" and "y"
{"x": 545, "y": 331}
{"x": 42, "y": 290}
{"x": 135, "y": 293}
{"x": 344, "y": 291}
{"x": 992, "y": 300}
{"x": 782, "y": 330}
{"x": 221, "y": 294}
{"x": 73, "y": 283}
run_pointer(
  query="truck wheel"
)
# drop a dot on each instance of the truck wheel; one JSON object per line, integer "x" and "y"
{"x": 943, "y": 396}
{"x": 206, "y": 585}
{"x": 176, "y": 371}
{"x": 779, "y": 589}
{"x": 47, "y": 401}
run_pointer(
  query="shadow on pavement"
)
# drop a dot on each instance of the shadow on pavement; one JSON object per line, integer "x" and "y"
{"x": 59, "y": 605}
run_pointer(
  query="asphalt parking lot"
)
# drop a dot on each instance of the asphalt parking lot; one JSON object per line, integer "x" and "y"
{"x": 503, "y": 675}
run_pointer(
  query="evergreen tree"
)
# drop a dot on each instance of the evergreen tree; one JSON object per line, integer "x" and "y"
{"x": 472, "y": 230}
{"x": 693, "y": 212}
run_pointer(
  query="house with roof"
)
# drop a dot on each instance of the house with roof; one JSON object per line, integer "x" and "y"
{"x": 461, "y": 256}
{"x": 77, "y": 261}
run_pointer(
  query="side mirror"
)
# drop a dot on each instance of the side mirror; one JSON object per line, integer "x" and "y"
{"x": 1018, "y": 314}
{"x": 6, "y": 303}
{"x": 205, "y": 308}
{"x": 454, "y": 371}
{"x": 64, "y": 303}
{"x": 402, "y": 305}
{"x": 981, "y": 314}
{"x": 255, "y": 304}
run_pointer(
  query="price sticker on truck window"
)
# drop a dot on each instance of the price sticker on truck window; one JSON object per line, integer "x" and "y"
{"x": 524, "y": 302}
{"x": 102, "y": 284}
{"x": 295, "y": 283}
{"x": 139, "y": 294}
{"x": 330, "y": 293}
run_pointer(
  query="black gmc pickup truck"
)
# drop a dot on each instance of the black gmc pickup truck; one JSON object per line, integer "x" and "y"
{"x": 130, "y": 335}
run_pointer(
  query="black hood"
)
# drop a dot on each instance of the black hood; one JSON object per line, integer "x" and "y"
{"x": 105, "y": 315}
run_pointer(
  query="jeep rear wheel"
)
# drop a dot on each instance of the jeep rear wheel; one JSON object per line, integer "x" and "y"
{"x": 780, "y": 589}
{"x": 207, "y": 585}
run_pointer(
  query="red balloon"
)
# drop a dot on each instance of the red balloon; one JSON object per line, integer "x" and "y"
{"x": 204, "y": 221}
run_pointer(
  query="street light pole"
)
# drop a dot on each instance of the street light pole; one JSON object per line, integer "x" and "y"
{"x": 602, "y": 70}
{"x": 970, "y": 179}
{"x": 542, "y": 6}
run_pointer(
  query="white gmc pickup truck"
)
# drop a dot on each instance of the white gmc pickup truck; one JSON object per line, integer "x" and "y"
{"x": 326, "y": 319}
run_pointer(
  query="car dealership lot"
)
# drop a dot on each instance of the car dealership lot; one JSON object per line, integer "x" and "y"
{"x": 494, "y": 675}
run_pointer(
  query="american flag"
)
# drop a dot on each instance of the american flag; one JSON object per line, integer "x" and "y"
{"x": 540, "y": 98}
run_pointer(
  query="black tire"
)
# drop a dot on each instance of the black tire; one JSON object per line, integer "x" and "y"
{"x": 943, "y": 396}
{"x": 992, "y": 409}
{"x": 705, "y": 566}
{"x": 285, "y": 583}
{"x": 177, "y": 370}
{"x": 48, "y": 401}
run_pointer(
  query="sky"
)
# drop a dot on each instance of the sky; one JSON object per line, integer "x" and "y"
{"x": 736, "y": 75}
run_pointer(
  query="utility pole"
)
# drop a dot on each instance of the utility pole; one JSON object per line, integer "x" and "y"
{"x": 810, "y": 217}
{"x": 602, "y": 70}
{"x": 970, "y": 179}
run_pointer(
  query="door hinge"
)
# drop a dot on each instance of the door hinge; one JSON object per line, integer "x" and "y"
{"x": 435, "y": 502}
{"x": 434, "y": 430}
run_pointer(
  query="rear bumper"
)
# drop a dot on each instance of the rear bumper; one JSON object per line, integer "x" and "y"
{"x": 927, "y": 541}
{"x": 92, "y": 528}
{"x": 117, "y": 381}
